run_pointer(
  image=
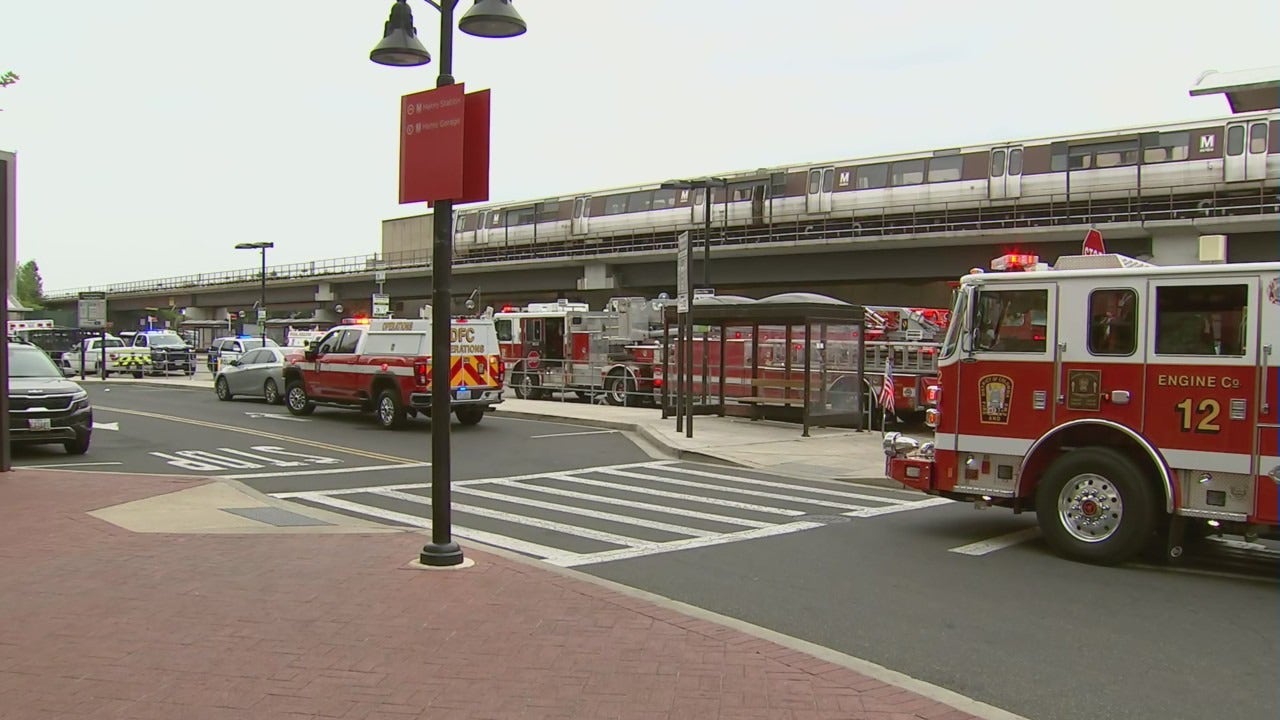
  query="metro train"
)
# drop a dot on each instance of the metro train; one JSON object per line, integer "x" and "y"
{"x": 1194, "y": 159}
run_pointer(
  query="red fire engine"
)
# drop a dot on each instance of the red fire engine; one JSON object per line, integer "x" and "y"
{"x": 1118, "y": 400}
{"x": 564, "y": 346}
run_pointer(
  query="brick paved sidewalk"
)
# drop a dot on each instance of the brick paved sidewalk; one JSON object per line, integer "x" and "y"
{"x": 99, "y": 622}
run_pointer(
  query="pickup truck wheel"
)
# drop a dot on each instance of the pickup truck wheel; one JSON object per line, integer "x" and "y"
{"x": 1095, "y": 505}
{"x": 296, "y": 399}
{"x": 391, "y": 413}
{"x": 222, "y": 389}
{"x": 469, "y": 414}
{"x": 137, "y": 374}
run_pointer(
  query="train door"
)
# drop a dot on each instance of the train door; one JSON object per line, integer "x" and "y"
{"x": 1006, "y": 172}
{"x": 482, "y": 227}
{"x": 818, "y": 190}
{"x": 1246, "y": 156}
{"x": 757, "y": 204}
{"x": 581, "y": 213}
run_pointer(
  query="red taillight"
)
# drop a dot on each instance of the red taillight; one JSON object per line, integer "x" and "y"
{"x": 500, "y": 367}
{"x": 931, "y": 417}
{"x": 420, "y": 372}
{"x": 933, "y": 394}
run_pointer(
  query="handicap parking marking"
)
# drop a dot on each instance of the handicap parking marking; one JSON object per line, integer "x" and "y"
{"x": 616, "y": 512}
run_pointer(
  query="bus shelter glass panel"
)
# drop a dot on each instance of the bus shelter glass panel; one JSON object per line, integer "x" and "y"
{"x": 836, "y": 374}
{"x": 736, "y": 374}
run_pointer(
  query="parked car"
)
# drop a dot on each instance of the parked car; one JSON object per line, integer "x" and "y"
{"x": 44, "y": 407}
{"x": 226, "y": 349}
{"x": 258, "y": 373}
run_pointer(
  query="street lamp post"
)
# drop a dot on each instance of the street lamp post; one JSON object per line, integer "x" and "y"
{"x": 400, "y": 47}
{"x": 262, "y": 302}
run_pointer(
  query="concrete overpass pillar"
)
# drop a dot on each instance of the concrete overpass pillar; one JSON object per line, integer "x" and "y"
{"x": 597, "y": 276}
{"x": 1186, "y": 246}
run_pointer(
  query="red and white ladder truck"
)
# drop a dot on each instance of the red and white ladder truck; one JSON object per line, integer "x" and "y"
{"x": 1120, "y": 401}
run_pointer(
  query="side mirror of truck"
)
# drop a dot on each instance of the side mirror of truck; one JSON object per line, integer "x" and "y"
{"x": 310, "y": 353}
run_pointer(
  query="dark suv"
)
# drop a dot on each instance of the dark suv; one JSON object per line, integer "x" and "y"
{"x": 45, "y": 407}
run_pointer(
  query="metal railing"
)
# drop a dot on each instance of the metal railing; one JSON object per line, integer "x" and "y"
{"x": 1043, "y": 211}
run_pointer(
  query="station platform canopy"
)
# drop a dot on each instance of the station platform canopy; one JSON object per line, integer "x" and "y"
{"x": 1246, "y": 90}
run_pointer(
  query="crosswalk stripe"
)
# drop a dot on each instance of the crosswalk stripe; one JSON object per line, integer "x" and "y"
{"x": 502, "y": 541}
{"x": 725, "y": 519}
{"x": 682, "y": 496}
{"x": 602, "y": 536}
{"x": 740, "y": 491}
{"x": 600, "y": 514}
{"x": 807, "y": 488}
{"x": 626, "y": 553}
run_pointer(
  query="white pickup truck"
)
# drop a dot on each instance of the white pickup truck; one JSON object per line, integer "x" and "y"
{"x": 120, "y": 358}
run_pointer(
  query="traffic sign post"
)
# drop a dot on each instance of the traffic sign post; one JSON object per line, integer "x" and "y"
{"x": 684, "y": 332}
{"x": 92, "y": 310}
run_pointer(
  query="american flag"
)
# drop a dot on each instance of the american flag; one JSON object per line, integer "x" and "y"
{"x": 886, "y": 392}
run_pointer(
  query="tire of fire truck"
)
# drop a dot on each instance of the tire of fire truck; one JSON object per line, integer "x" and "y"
{"x": 1094, "y": 505}
{"x": 391, "y": 414}
{"x": 526, "y": 386}
{"x": 619, "y": 389}
{"x": 295, "y": 398}
{"x": 469, "y": 414}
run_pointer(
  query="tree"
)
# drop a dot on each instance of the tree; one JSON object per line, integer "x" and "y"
{"x": 30, "y": 290}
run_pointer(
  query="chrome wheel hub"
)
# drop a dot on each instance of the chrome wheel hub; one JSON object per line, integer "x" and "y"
{"x": 1090, "y": 508}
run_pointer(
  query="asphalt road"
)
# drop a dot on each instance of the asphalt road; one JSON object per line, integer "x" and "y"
{"x": 968, "y": 600}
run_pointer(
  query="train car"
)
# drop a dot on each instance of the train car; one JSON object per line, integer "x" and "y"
{"x": 1190, "y": 160}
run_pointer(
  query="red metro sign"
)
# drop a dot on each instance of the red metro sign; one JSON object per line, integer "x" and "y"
{"x": 444, "y": 145}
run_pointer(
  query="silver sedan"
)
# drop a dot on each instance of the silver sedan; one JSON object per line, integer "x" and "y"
{"x": 257, "y": 373}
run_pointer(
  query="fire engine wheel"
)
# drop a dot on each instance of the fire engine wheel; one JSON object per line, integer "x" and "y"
{"x": 469, "y": 414}
{"x": 222, "y": 389}
{"x": 527, "y": 387}
{"x": 1094, "y": 505}
{"x": 391, "y": 413}
{"x": 618, "y": 388}
{"x": 295, "y": 396}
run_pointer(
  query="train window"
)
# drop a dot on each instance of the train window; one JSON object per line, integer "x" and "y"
{"x": 699, "y": 196}
{"x": 945, "y": 169}
{"x": 997, "y": 163}
{"x": 1113, "y": 317}
{"x": 872, "y": 176}
{"x": 577, "y": 207}
{"x": 640, "y": 201}
{"x": 1201, "y": 319}
{"x": 1258, "y": 138}
{"x": 778, "y": 185}
{"x": 828, "y": 181}
{"x": 1168, "y": 147}
{"x": 815, "y": 181}
{"x": 908, "y": 172}
{"x": 663, "y": 199}
{"x": 1235, "y": 140}
{"x": 496, "y": 217}
{"x": 464, "y": 223}
{"x": 615, "y": 204}
{"x": 1015, "y": 161}
{"x": 549, "y": 212}
{"x": 520, "y": 216}
{"x": 1080, "y": 161}
{"x": 743, "y": 192}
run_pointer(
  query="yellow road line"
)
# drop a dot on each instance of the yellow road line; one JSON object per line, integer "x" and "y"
{"x": 263, "y": 434}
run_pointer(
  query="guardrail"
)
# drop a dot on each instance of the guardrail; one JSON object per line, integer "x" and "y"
{"x": 1043, "y": 211}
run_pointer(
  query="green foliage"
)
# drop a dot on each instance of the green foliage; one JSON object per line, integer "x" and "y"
{"x": 30, "y": 290}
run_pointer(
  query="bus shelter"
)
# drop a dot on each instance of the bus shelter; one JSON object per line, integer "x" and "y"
{"x": 793, "y": 356}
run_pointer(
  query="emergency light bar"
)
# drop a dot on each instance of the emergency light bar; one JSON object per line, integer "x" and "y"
{"x": 1013, "y": 262}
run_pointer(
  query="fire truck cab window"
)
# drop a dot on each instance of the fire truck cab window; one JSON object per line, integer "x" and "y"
{"x": 348, "y": 342}
{"x": 1011, "y": 321}
{"x": 1113, "y": 322}
{"x": 328, "y": 342}
{"x": 1201, "y": 320}
{"x": 503, "y": 328}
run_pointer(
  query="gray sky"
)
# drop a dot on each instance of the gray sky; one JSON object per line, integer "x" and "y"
{"x": 153, "y": 135}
